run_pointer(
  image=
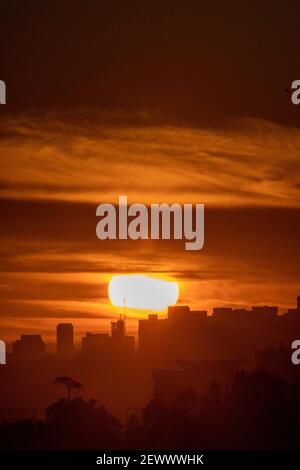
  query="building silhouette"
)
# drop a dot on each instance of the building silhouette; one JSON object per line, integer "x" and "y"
{"x": 117, "y": 347}
{"x": 28, "y": 347}
{"x": 95, "y": 345}
{"x": 276, "y": 360}
{"x": 65, "y": 340}
{"x": 118, "y": 329}
{"x": 122, "y": 344}
{"x": 186, "y": 349}
{"x": 227, "y": 334}
{"x": 194, "y": 375}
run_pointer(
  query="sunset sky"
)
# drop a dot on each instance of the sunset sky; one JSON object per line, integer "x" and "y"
{"x": 181, "y": 102}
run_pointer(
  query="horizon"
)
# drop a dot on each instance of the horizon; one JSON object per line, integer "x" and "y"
{"x": 51, "y": 341}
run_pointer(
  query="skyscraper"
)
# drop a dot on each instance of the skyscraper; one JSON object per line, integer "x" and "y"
{"x": 64, "y": 339}
{"x": 28, "y": 347}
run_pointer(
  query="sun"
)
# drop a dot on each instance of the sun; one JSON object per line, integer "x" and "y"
{"x": 142, "y": 292}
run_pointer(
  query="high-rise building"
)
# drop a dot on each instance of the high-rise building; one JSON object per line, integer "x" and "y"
{"x": 118, "y": 329}
{"x": 65, "y": 339}
{"x": 29, "y": 347}
{"x": 265, "y": 311}
{"x": 96, "y": 345}
{"x": 115, "y": 349}
{"x": 122, "y": 344}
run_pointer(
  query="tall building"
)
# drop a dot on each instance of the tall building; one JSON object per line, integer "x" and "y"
{"x": 194, "y": 377}
{"x": 118, "y": 329}
{"x": 265, "y": 311}
{"x": 28, "y": 347}
{"x": 294, "y": 312}
{"x": 276, "y": 360}
{"x": 96, "y": 345}
{"x": 229, "y": 333}
{"x": 65, "y": 339}
{"x": 115, "y": 349}
{"x": 122, "y": 344}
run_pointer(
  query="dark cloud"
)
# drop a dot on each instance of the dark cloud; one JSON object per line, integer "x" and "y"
{"x": 192, "y": 61}
{"x": 60, "y": 236}
{"x": 26, "y": 288}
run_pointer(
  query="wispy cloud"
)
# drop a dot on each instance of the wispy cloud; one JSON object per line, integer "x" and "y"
{"x": 254, "y": 163}
{"x": 55, "y": 172}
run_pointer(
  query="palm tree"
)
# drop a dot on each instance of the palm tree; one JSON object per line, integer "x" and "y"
{"x": 69, "y": 383}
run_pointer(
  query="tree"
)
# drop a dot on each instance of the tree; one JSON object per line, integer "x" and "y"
{"x": 69, "y": 384}
{"x": 81, "y": 424}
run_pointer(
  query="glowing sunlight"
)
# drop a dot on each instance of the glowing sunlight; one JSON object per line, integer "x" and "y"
{"x": 142, "y": 292}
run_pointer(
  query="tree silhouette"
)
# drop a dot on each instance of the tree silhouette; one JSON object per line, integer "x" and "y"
{"x": 81, "y": 424}
{"x": 69, "y": 384}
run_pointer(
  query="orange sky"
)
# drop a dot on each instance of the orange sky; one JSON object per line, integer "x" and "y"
{"x": 55, "y": 171}
{"x": 163, "y": 102}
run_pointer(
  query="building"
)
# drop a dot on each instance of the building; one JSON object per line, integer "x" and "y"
{"x": 179, "y": 336}
{"x": 197, "y": 376}
{"x": 28, "y": 347}
{"x": 115, "y": 349}
{"x": 152, "y": 336}
{"x": 229, "y": 334}
{"x": 122, "y": 344}
{"x": 265, "y": 311}
{"x": 96, "y": 345}
{"x": 65, "y": 340}
{"x": 118, "y": 329}
{"x": 276, "y": 360}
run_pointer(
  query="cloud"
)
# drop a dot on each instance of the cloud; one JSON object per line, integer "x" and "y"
{"x": 55, "y": 172}
{"x": 253, "y": 163}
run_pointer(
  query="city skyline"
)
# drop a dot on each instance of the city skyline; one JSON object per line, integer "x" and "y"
{"x": 187, "y": 348}
{"x": 65, "y": 331}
